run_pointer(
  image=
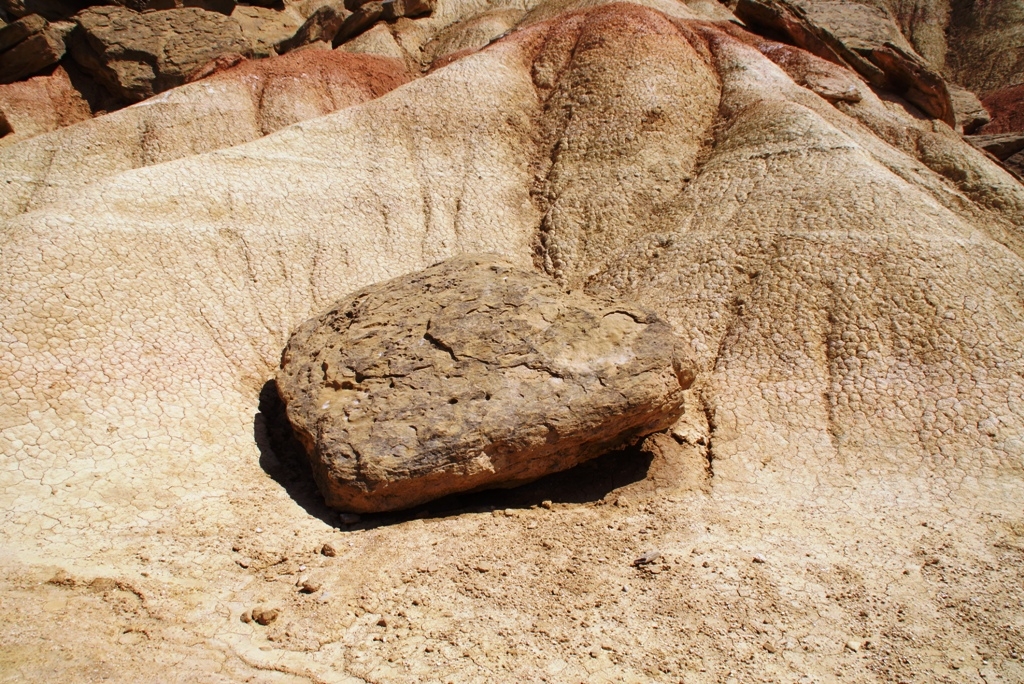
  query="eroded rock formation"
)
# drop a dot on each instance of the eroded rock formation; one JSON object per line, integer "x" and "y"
{"x": 845, "y": 269}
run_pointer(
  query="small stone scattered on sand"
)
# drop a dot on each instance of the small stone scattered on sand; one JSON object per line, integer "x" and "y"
{"x": 264, "y": 616}
{"x": 647, "y": 558}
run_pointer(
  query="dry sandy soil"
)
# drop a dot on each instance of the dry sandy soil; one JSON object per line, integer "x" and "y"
{"x": 843, "y": 500}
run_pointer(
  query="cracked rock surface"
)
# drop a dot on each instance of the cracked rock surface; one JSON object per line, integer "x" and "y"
{"x": 471, "y": 374}
{"x": 136, "y": 55}
{"x": 240, "y": 104}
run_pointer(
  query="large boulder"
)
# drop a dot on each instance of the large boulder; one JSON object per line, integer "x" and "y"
{"x": 472, "y": 374}
{"x": 138, "y": 55}
{"x": 360, "y": 21}
{"x": 17, "y": 31}
{"x": 264, "y": 27}
{"x": 28, "y": 46}
{"x": 221, "y": 6}
{"x": 366, "y": 14}
{"x": 321, "y": 26}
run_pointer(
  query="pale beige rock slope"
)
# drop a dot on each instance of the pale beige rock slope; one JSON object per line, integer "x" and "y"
{"x": 235, "y": 106}
{"x": 847, "y": 275}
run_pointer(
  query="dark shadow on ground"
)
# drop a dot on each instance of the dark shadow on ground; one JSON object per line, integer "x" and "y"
{"x": 283, "y": 458}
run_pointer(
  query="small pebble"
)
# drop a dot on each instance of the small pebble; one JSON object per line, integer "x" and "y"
{"x": 532, "y": 525}
{"x": 853, "y": 645}
{"x": 243, "y": 562}
{"x": 259, "y": 530}
{"x": 103, "y": 584}
{"x": 328, "y": 550}
{"x": 246, "y": 617}
{"x": 309, "y": 587}
{"x": 758, "y": 558}
{"x": 264, "y": 616}
{"x": 546, "y": 504}
{"x": 647, "y": 558}
{"x": 484, "y": 567}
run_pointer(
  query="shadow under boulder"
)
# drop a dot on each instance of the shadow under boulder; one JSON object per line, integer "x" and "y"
{"x": 284, "y": 459}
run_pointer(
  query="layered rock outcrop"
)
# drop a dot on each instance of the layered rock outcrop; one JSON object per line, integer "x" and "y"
{"x": 471, "y": 374}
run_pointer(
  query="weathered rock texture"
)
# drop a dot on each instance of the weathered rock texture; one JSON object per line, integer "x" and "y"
{"x": 985, "y": 51}
{"x": 1007, "y": 109}
{"x": 241, "y": 104}
{"x": 472, "y": 374}
{"x": 41, "y": 104}
{"x": 29, "y": 45}
{"x": 138, "y": 55}
{"x": 222, "y": 6}
{"x": 264, "y": 28}
{"x": 54, "y": 10}
{"x": 321, "y": 26}
{"x": 862, "y": 37}
{"x": 847, "y": 274}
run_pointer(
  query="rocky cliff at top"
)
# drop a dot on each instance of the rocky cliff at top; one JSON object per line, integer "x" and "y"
{"x": 785, "y": 186}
